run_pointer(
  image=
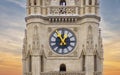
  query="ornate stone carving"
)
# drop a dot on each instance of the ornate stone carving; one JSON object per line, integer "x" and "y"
{"x": 35, "y": 44}
{"x": 75, "y": 29}
{"x": 50, "y": 53}
{"x": 75, "y": 53}
{"x": 100, "y": 44}
{"x": 42, "y": 50}
{"x": 89, "y": 40}
{"x": 60, "y": 10}
{"x": 83, "y": 49}
{"x": 96, "y": 49}
{"x": 24, "y": 50}
{"x": 77, "y": 2}
{"x": 49, "y": 29}
{"x": 47, "y": 2}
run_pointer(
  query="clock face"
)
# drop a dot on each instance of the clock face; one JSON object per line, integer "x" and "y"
{"x": 62, "y": 41}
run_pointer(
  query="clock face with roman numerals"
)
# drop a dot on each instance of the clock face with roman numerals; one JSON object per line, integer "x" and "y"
{"x": 62, "y": 41}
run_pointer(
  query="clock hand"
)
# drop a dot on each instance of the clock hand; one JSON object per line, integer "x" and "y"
{"x": 62, "y": 39}
{"x": 59, "y": 35}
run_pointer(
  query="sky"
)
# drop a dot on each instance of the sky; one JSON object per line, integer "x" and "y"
{"x": 12, "y": 25}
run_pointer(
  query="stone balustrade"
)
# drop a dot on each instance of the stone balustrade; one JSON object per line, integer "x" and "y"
{"x": 63, "y": 10}
{"x": 62, "y": 73}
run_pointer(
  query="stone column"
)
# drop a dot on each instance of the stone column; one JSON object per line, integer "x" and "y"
{"x": 89, "y": 65}
{"x": 39, "y": 7}
{"x": 27, "y": 66}
{"x": 32, "y": 7}
{"x": 36, "y": 66}
{"x": 24, "y": 67}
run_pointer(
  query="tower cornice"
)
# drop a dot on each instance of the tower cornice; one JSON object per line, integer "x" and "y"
{"x": 90, "y": 16}
{"x": 65, "y": 16}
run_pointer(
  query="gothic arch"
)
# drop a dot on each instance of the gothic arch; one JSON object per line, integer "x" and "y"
{"x": 62, "y": 67}
{"x": 95, "y": 62}
{"x": 62, "y": 2}
{"x": 36, "y": 29}
{"x": 90, "y": 2}
{"x": 96, "y": 2}
{"x": 29, "y": 2}
{"x": 84, "y": 2}
{"x": 90, "y": 31}
{"x": 30, "y": 63}
{"x": 90, "y": 27}
{"x": 41, "y": 2}
{"x": 83, "y": 62}
{"x": 35, "y": 3}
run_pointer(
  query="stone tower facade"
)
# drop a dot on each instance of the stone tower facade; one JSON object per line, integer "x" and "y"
{"x": 62, "y": 37}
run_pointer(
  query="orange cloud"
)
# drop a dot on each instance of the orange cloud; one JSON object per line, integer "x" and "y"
{"x": 10, "y": 64}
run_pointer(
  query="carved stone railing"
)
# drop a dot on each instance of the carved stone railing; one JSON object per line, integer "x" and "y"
{"x": 97, "y": 73}
{"x": 63, "y": 10}
{"x": 62, "y": 73}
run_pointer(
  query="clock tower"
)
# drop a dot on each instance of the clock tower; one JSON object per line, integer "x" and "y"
{"x": 62, "y": 37}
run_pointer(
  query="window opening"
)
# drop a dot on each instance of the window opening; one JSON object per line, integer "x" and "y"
{"x": 62, "y": 67}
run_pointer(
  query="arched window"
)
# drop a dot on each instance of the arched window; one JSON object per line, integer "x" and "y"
{"x": 83, "y": 63}
{"x": 30, "y": 63}
{"x": 63, "y": 2}
{"x": 62, "y": 67}
{"x": 95, "y": 63}
{"x": 35, "y": 3}
{"x": 29, "y": 11}
{"x": 41, "y": 2}
{"x": 89, "y": 9}
{"x": 42, "y": 65}
{"x": 90, "y": 2}
{"x": 96, "y": 2}
{"x": 84, "y": 2}
{"x": 29, "y": 3}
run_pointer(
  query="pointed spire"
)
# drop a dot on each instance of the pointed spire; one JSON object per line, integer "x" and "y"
{"x": 100, "y": 44}
{"x": 24, "y": 44}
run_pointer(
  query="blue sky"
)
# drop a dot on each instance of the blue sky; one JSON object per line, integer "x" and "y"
{"x": 110, "y": 11}
{"x": 12, "y": 25}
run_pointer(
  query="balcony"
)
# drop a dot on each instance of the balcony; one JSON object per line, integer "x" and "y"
{"x": 62, "y": 73}
{"x": 63, "y": 11}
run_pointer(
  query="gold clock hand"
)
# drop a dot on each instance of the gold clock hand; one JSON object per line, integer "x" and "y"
{"x": 59, "y": 35}
{"x": 62, "y": 39}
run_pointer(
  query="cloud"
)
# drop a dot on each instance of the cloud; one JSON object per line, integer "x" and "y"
{"x": 12, "y": 26}
{"x": 21, "y": 3}
{"x": 110, "y": 13}
{"x": 10, "y": 63}
{"x": 11, "y": 40}
{"x": 111, "y": 43}
{"x": 11, "y": 37}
